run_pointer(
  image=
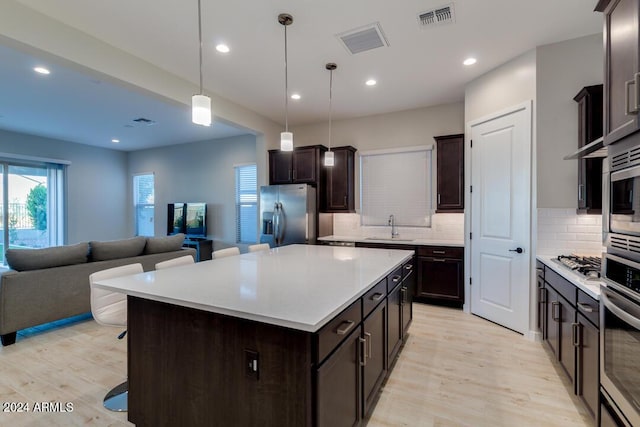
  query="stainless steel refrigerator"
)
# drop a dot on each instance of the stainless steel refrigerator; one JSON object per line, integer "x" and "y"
{"x": 287, "y": 214}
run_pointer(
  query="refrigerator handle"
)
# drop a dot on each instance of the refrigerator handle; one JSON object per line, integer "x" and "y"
{"x": 276, "y": 223}
{"x": 282, "y": 224}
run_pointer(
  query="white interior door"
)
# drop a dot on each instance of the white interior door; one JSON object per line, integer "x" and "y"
{"x": 500, "y": 217}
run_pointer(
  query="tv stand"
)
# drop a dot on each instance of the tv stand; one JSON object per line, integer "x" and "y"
{"x": 203, "y": 247}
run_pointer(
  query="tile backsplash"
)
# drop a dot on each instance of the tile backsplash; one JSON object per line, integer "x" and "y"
{"x": 562, "y": 231}
{"x": 443, "y": 227}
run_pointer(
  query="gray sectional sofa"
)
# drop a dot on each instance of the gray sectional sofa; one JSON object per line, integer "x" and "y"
{"x": 44, "y": 285}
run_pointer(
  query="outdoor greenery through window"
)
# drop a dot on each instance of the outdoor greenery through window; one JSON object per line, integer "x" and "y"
{"x": 143, "y": 196}
{"x": 246, "y": 203}
{"x": 31, "y": 204}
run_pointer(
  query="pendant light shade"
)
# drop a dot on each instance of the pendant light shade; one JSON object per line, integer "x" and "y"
{"x": 329, "y": 158}
{"x": 286, "y": 137}
{"x": 286, "y": 141}
{"x": 201, "y": 110}
{"x": 200, "y": 104}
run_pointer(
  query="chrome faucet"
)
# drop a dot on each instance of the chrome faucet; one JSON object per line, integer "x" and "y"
{"x": 392, "y": 223}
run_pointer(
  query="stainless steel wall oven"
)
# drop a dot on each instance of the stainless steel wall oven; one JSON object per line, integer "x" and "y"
{"x": 620, "y": 342}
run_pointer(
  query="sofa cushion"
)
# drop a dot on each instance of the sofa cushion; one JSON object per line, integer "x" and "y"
{"x": 156, "y": 245}
{"x": 114, "y": 249}
{"x": 56, "y": 256}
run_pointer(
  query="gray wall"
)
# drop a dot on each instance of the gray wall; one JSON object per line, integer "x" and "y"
{"x": 563, "y": 69}
{"x": 96, "y": 184}
{"x": 197, "y": 172}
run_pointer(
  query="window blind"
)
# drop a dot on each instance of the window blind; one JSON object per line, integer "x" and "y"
{"x": 396, "y": 183}
{"x": 246, "y": 203}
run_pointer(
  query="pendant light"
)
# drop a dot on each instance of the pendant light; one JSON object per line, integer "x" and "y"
{"x": 286, "y": 137}
{"x": 200, "y": 104}
{"x": 329, "y": 159}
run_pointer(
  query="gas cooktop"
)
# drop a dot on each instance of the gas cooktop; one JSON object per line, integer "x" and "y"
{"x": 587, "y": 266}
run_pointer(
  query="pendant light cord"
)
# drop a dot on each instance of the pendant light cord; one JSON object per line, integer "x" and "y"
{"x": 200, "y": 38}
{"x": 286, "y": 84}
{"x": 330, "y": 103}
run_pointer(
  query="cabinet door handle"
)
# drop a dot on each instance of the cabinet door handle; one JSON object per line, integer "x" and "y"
{"x": 438, "y": 252}
{"x": 403, "y": 295}
{"x": 289, "y": 175}
{"x": 438, "y": 260}
{"x": 363, "y": 350}
{"x": 345, "y": 327}
{"x": 585, "y": 307}
{"x": 636, "y": 81}
{"x": 395, "y": 279}
{"x": 438, "y": 198}
{"x": 408, "y": 266}
{"x": 555, "y": 304}
{"x": 542, "y": 295}
{"x": 377, "y": 296}
{"x": 580, "y": 192}
{"x": 345, "y": 200}
{"x": 367, "y": 338}
{"x": 575, "y": 332}
{"x": 627, "y": 86}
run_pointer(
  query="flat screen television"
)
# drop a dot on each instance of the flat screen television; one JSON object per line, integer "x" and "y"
{"x": 187, "y": 218}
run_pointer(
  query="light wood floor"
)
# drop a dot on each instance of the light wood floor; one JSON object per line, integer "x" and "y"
{"x": 455, "y": 370}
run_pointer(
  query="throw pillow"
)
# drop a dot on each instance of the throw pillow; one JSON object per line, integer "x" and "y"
{"x": 156, "y": 245}
{"x": 114, "y": 249}
{"x": 56, "y": 256}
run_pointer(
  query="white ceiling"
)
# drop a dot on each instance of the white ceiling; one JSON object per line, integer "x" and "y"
{"x": 421, "y": 67}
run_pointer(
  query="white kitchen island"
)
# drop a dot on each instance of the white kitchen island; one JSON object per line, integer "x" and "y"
{"x": 298, "y": 335}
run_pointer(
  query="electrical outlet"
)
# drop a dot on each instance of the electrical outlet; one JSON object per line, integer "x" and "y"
{"x": 251, "y": 363}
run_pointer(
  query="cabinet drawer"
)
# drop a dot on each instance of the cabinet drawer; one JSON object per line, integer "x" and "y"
{"x": 561, "y": 285}
{"x": 589, "y": 308}
{"x": 441, "y": 251}
{"x": 338, "y": 329}
{"x": 394, "y": 279}
{"x": 374, "y": 297}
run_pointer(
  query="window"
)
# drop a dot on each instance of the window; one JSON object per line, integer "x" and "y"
{"x": 398, "y": 183}
{"x": 246, "y": 203}
{"x": 143, "y": 198}
{"x": 31, "y": 203}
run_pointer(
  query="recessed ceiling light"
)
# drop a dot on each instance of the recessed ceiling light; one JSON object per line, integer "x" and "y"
{"x": 371, "y": 82}
{"x": 222, "y": 48}
{"x": 295, "y": 96}
{"x": 115, "y": 141}
{"x": 470, "y": 61}
{"x": 41, "y": 70}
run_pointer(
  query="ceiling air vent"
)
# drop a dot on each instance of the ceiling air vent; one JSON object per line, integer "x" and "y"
{"x": 363, "y": 38}
{"x": 438, "y": 16}
{"x": 143, "y": 121}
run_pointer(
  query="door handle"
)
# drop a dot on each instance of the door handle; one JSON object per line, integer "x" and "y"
{"x": 585, "y": 307}
{"x": 367, "y": 338}
{"x": 555, "y": 304}
{"x": 580, "y": 192}
{"x": 377, "y": 297}
{"x": 518, "y": 250}
{"x": 345, "y": 327}
{"x": 627, "y": 86}
{"x": 575, "y": 331}
{"x": 363, "y": 351}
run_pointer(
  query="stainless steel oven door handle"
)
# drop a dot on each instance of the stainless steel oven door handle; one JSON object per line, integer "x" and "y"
{"x": 622, "y": 313}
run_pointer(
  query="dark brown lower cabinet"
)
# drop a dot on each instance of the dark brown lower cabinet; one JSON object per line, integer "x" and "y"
{"x": 442, "y": 279}
{"x": 375, "y": 355}
{"x": 406, "y": 295}
{"x": 587, "y": 364}
{"x": 569, "y": 323}
{"x": 338, "y": 385}
{"x": 395, "y": 322}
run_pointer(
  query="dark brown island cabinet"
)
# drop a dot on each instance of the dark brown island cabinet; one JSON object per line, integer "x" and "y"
{"x": 589, "y": 101}
{"x": 569, "y": 324}
{"x": 450, "y": 173}
{"x": 339, "y": 188}
{"x": 622, "y": 68}
{"x": 329, "y": 378}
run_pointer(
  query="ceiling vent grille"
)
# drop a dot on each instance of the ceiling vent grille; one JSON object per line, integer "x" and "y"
{"x": 364, "y": 38}
{"x": 144, "y": 121}
{"x": 438, "y": 16}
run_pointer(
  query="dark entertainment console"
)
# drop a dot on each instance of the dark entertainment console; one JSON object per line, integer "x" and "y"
{"x": 203, "y": 247}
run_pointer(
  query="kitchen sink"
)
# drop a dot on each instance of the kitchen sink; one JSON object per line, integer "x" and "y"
{"x": 389, "y": 239}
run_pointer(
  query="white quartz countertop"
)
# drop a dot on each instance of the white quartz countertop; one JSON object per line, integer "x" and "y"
{"x": 396, "y": 241}
{"x": 590, "y": 287}
{"x": 297, "y": 286}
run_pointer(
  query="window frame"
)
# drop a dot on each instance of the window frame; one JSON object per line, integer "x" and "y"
{"x": 137, "y": 205}
{"x": 239, "y": 237}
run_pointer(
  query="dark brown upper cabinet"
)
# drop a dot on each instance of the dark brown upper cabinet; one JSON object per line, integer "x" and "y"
{"x": 622, "y": 68}
{"x": 589, "y": 101}
{"x": 450, "y": 173}
{"x": 339, "y": 196}
{"x": 302, "y": 165}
